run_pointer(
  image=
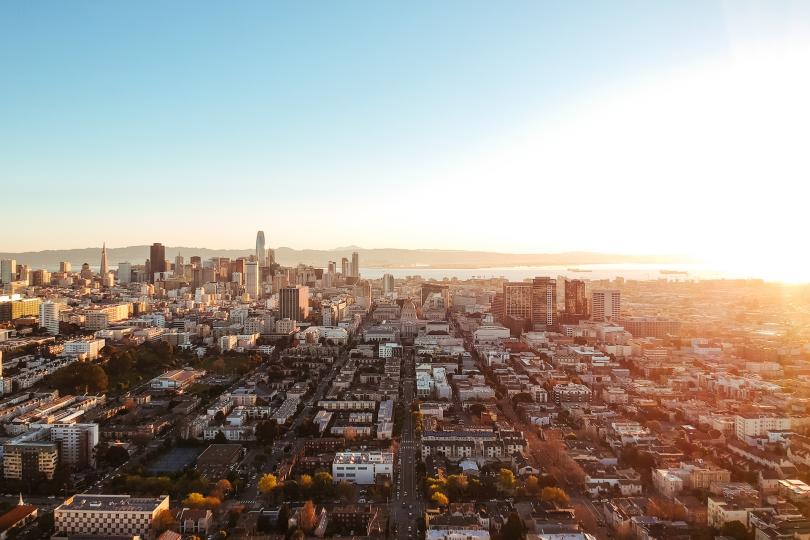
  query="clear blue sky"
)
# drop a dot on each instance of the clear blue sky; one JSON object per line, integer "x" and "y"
{"x": 197, "y": 123}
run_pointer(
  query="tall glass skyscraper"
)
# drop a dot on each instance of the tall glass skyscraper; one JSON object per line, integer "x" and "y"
{"x": 261, "y": 253}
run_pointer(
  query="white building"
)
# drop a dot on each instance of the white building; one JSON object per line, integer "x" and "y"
{"x": 758, "y": 425}
{"x": 362, "y": 467}
{"x": 605, "y": 304}
{"x": 124, "y": 272}
{"x": 49, "y": 317}
{"x": 77, "y": 443}
{"x": 88, "y": 348}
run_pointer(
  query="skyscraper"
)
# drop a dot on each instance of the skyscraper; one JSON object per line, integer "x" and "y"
{"x": 179, "y": 265}
{"x": 517, "y": 300}
{"x": 252, "y": 279}
{"x": 576, "y": 303}
{"x": 344, "y": 266}
{"x": 261, "y": 252}
{"x": 157, "y": 259}
{"x": 8, "y": 270}
{"x": 544, "y": 302}
{"x": 64, "y": 267}
{"x": 388, "y": 284}
{"x": 355, "y": 264}
{"x": 332, "y": 267}
{"x": 606, "y": 304}
{"x": 104, "y": 269}
{"x": 124, "y": 272}
{"x": 294, "y": 303}
{"x": 49, "y": 317}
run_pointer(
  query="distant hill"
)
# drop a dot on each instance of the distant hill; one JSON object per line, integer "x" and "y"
{"x": 385, "y": 257}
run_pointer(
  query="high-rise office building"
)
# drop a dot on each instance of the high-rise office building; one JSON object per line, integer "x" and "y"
{"x": 576, "y": 302}
{"x": 252, "y": 279}
{"x": 294, "y": 303}
{"x": 331, "y": 267}
{"x": 8, "y": 270}
{"x": 261, "y": 253}
{"x": 65, "y": 267}
{"x": 195, "y": 261}
{"x": 344, "y": 266}
{"x": 49, "y": 317}
{"x": 104, "y": 268}
{"x": 355, "y": 264}
{"x": 544, "y": 302}
{"x": 517, "y": 300}
{"x": 40, "y": 277}
{"x": 271, "y": 256}
{"x": 157, "y": 260}
{"x": 179, "y": 266}
{"x": 388, "y": 284}
{"x": 606, "y": 304}
{"x": 124, "y": 272}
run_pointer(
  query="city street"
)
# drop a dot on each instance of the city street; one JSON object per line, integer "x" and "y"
{"x": 407, "y": 508}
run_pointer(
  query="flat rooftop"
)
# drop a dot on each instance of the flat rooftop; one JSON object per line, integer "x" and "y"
{"x": 111, "y": 503}
{"x": 350, "y": 458}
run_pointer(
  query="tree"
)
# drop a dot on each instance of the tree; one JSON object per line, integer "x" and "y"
{"x": 194, "y": 500}
{"x": 305, "y": 482}
{"x": 506, "y": 480}
{"x": 308, "y": 517}
{"x": 735, "y": 529}
{"x": 532, "y": 485}
{"x": 456, "y": 486}
{"x": 554, "y": 495}
{"x": 223, "y": 488}
{"x": 323, "y": 482}
{"x": 220, "y": 438}
{"x": 440, "y": 499}
{"x": 78, "y": 376}
{"x": 477, "y": 409}
{"x": 267, "y": 483}
{"x": 266, "y": 432}
{"x": 350, "y": 434}
{"x": 164, "y": 521}
{"x": 346, "y": 490}
{"x": 513, "y": 528}
{"x": 218, "y": 365}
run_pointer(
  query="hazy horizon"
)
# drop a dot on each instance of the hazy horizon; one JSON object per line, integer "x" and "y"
{"x": 521, "y": 128}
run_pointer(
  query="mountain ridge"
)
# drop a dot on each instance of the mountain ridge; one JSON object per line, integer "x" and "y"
{"x": 373, "y": 257}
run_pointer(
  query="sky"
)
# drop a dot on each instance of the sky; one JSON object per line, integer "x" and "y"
{"x": 631, "y": 127}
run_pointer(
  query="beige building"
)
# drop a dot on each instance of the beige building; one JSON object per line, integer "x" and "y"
{"x": 107, "y": 515}
{"x": 27, "y": 460}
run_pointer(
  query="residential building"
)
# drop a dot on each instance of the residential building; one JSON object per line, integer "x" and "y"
{"x": 49, "y": 317}
{"x": 605, "y": 304}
